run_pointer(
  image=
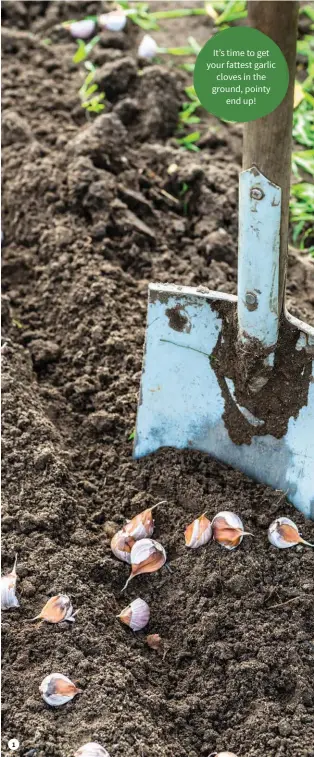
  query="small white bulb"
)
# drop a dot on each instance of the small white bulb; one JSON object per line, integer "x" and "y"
{"x": 82, "y": 29}
{"x": 136, "y": 614}
{"x": 56, "y": 610}
{"x": 57, "y": 689}
{"x": 114, "y": 21}
{"x": 147, "y": 48}
{"x": 198, "y": 533}
{"x": 8, "y": 584}
{"x": 228, "y": 529}
{"x": 92, "y": 749}
{"x": 283, "y": 533}
{"x": 121, "y": 545}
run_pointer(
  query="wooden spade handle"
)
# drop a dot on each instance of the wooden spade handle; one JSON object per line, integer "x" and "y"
{"x": 267, "y": 141}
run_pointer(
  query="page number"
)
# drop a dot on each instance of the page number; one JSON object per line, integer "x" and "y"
{"x": 13, "y": 744}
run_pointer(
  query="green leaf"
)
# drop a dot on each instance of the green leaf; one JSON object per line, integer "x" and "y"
{"x": 17, "y": 323}
{"x": 178, "y": 50}
{"x": 303, "y": 124}
{"x": 131, "y": 436}
{"x": 194, "y": 44}
{"x": 179, "y": 13}
{"x": 183, "y": 189}
{"x": 189, "y": 67}
{"x": 308, "y": 10}
{"x": 305, "y": 46}
{"x": 301, "y": 209}
{"x": 84, "y": 49}
{"x": 305, "y": 160}
{"x": 233, "y": 12}
{"x": 190, "y": 92}
{"x": 304, "y": 191}
{"x": 81, "y": 53}
{"x": 90, "y": 91}
{"x": 192, "y": 137}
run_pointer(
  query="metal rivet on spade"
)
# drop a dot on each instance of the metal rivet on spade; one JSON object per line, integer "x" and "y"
{"x": 256, "y": 193}
{"x": 250, "y": 299}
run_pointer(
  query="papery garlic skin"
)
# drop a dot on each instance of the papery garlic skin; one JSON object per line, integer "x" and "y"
{"x": 283, "y": 533}
{"x": 142, "y": 525}
{"x": 154, "y": 641}
{"x": 198, "y": 533}
{"x": 82, "y": 29}
{"x": 148, "y": 48}
{"x": 228, "y": 529}
{"x": 121, "y": 545}
{"x": 56, "y": 610}
{"x": 92, "y": 749}
{"x": 114, "y": 21}
{"x": 8, "y": 584}
{"x": 147, "y": 556}
{"x": 57, "y": 689}
{"x": 136, "y": 614}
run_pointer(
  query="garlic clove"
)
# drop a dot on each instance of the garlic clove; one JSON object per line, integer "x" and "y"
{"x": 148, "y": 47}
{"x": 222, "y": 754}
{"x": 121, "y": 545}
{"x": 198, "y": 533}
{"x": 82, "y": 29}
{"x": 8, "y": 584}
{"x": 136, "y": 614}
{"x": 142, "y": 525}
{"x": 57, "y": 689}
{"x": 228, "y": 529}
{"x": 283, "y": 533}
{"x": 92, "y": 749}
{"x": 147, "y": 556}
{"x": 114, "y": 21}
{"x": 56, "y": 610}
{"x": 154, "y": 641}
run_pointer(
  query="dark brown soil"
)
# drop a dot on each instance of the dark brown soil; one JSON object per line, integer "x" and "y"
{"x": 88, "y": 221}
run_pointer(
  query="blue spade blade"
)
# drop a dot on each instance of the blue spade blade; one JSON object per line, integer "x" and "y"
{"x": 226, "y": 375}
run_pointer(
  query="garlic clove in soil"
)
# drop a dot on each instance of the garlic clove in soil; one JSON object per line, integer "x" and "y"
{"x": 136, "y": 614}
{"x": 57, "y": 689}
{"x": 147, "y": 556}
{"x": 222, "y": 754}
{"x": 142, "y": 525}
{"x": 283, "y": 533}
{"x": 8, "y": 584}
{"x": 114, "y": 21}
{"x": 228, "y": 529}
{"x": 92, "y": 749}
{"x": 82, "y": 29}
{"x": 121, "y": 545}
{"x": 56, "y": 610}
{"x": 198, "y": 533}
{"x": 148, "y": 48}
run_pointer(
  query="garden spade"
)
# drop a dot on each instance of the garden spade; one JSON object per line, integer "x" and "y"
{"x": 233, "y": 376}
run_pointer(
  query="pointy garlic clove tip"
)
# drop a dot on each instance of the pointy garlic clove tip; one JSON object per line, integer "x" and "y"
{"x": 162, "y": 502}
{"x": 308, "y": 544}
{"x": 126, "y": 584}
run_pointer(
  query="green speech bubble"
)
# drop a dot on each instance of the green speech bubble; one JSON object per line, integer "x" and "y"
{"x": 240, "y": 75}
